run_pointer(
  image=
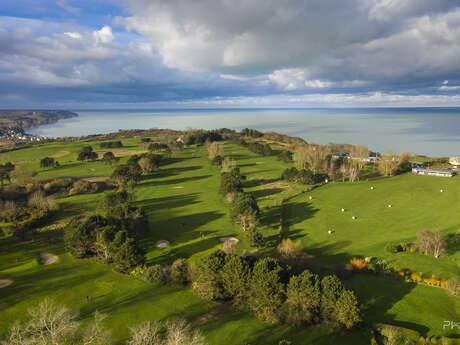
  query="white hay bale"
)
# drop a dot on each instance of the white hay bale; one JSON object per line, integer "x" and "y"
{"x": 343, "y": 210}
{"x": 390, "y": 206}
{"x": 372, "y": 188}
{"x": 353, "y": 217}
{"x": 442, "y": 190}
{"x": 329, "y": 232}
{"x": 310, "y": 197}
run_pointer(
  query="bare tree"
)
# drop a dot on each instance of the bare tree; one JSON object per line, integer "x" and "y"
{"x": 361, "y": 152}
{"x": 439, "y": 246}
{"x": 96, "y": 333}
{"x": 147, "y": 333}
{"x": 388, "y": 165}
{"x": 310, "y": 156}
{"x": 228, "y": 164}
{"x": 180, "y": 333}
{"x": 215, "y": 149}
{"x": 353, "y": 171}
{"x": 430, "y": 242}
{"x": 176, "y": 332}
{"x": 52, "y": 324}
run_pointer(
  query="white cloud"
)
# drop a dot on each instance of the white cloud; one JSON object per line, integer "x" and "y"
{"x": 103, "y": 35}
{"x": 63, "y": 4}
{"x": 75, "y": 35}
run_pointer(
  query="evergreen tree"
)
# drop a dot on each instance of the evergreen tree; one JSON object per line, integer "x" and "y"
{"x": 125, "y": 253}
{"x": 266, "y": 289}
{"x": 347, "y": 309}
{"x": 208, "y": 282}
{"x": 303, "y": 296}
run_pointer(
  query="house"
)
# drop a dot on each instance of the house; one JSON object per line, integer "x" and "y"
{"x": 341, "y": 155}
{"x": 454, "y": 160}
{"x": 434, "y": 172}
{"x": 418, "y": 166}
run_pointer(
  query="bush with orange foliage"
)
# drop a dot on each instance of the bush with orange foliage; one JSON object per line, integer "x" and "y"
{"x": 358, "y": 263}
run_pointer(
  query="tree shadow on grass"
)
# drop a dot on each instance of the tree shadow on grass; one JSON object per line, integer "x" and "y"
{"x": 168, "y": 202}
{"x": 297, "y": 212}
{"x": 175, "y": 181}
{"x": 377, "y": 295}
{"x": 168, "y": 255}
{"x": 179, "y": 229}
{"x": 260, "y": 193}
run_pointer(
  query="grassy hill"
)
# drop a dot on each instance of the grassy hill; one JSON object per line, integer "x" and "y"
{"x": 184, "y": 207}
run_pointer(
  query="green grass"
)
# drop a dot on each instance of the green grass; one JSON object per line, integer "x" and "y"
{"x": 184, "y": 207}
{"x": 417, "y": 204}
{"x": 418, "y": 307}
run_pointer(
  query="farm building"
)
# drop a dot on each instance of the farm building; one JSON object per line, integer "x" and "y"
{"x": 433, "y": 172}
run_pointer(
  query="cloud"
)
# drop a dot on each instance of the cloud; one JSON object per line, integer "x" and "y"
{"x": 103, "y": 35}
{"x": 63, "y": 4}
{"x": 357, "y": 44}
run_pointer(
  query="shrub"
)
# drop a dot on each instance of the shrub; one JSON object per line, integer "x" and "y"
{"x": 358, "y": 263}
{"x": 83, "y": 187}
{"x": 453, "y": 287}
{"x": 111, "y": 144}
{"x": 156, "y": 274}
{"x": 393, "y": 248}
{"x": 179, "y": 273}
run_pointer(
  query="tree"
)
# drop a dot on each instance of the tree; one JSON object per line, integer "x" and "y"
{"x": 176, "y": 332}
{"x": 331, "y": 289}
{"x": 22, "y": 175}
{"x": 48, "y": 323}
{"x": 215, "y": 149}
{"x": 256, "y": 239}
{"x": 361, "y": 152}
{"x": 125, "y": 253}
{"x": 310, "y": 156}
{"x": 266, "y": 289}
{"x": 347, "y": 309}
{"x": 147, "y": 333}
{"x": 109, "y": 158}
{"x": 115, "y": 204}
{"x": 146, "y": 165}
{"x": 180, "y": 272}
{"x": 230, "y": 182}
{"x": 87, "y": 154}
{"x": 79, "y": 237}
{"x": 388, "y": 164}
{"x": 404, "y": 164}
{"x": 303, "y": 296}
{"x": 244, "y": 210}
{"x": 47, "y": 162}
{"x": 5, "y": 171}
{"x": 208, "y": 281}
{"x": 430, "y": 242}
{"x": 235, "y": 276}
{"x": 353, "y": 171}
{"x": 51, "y": 324}
{"x": 228, "y": 164}
{"x": 126, "y": 176}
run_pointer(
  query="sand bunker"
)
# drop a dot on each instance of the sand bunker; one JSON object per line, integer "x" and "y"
{"x": 229, "y": 239}
{"x": 47, "y": 258}
{"x": 162, "y": 244}
{"x": 5, "y": 282}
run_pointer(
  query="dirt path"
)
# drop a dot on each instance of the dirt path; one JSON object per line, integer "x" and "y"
{"x": 221, "y": 308}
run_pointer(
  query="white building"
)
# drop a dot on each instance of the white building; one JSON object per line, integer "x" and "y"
{"x": 433, "y": 172}
{"x": 454, "y": 160}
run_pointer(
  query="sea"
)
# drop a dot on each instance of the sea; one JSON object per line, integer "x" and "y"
{"x": 424, "y": 131}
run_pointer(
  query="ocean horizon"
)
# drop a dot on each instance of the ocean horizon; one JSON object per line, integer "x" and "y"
{"x": 426, "y": 131}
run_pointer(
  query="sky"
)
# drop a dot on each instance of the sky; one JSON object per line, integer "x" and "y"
{"x": 89, "y": 54}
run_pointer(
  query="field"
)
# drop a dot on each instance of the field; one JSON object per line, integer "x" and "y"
{"x": 184, "y": 207}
